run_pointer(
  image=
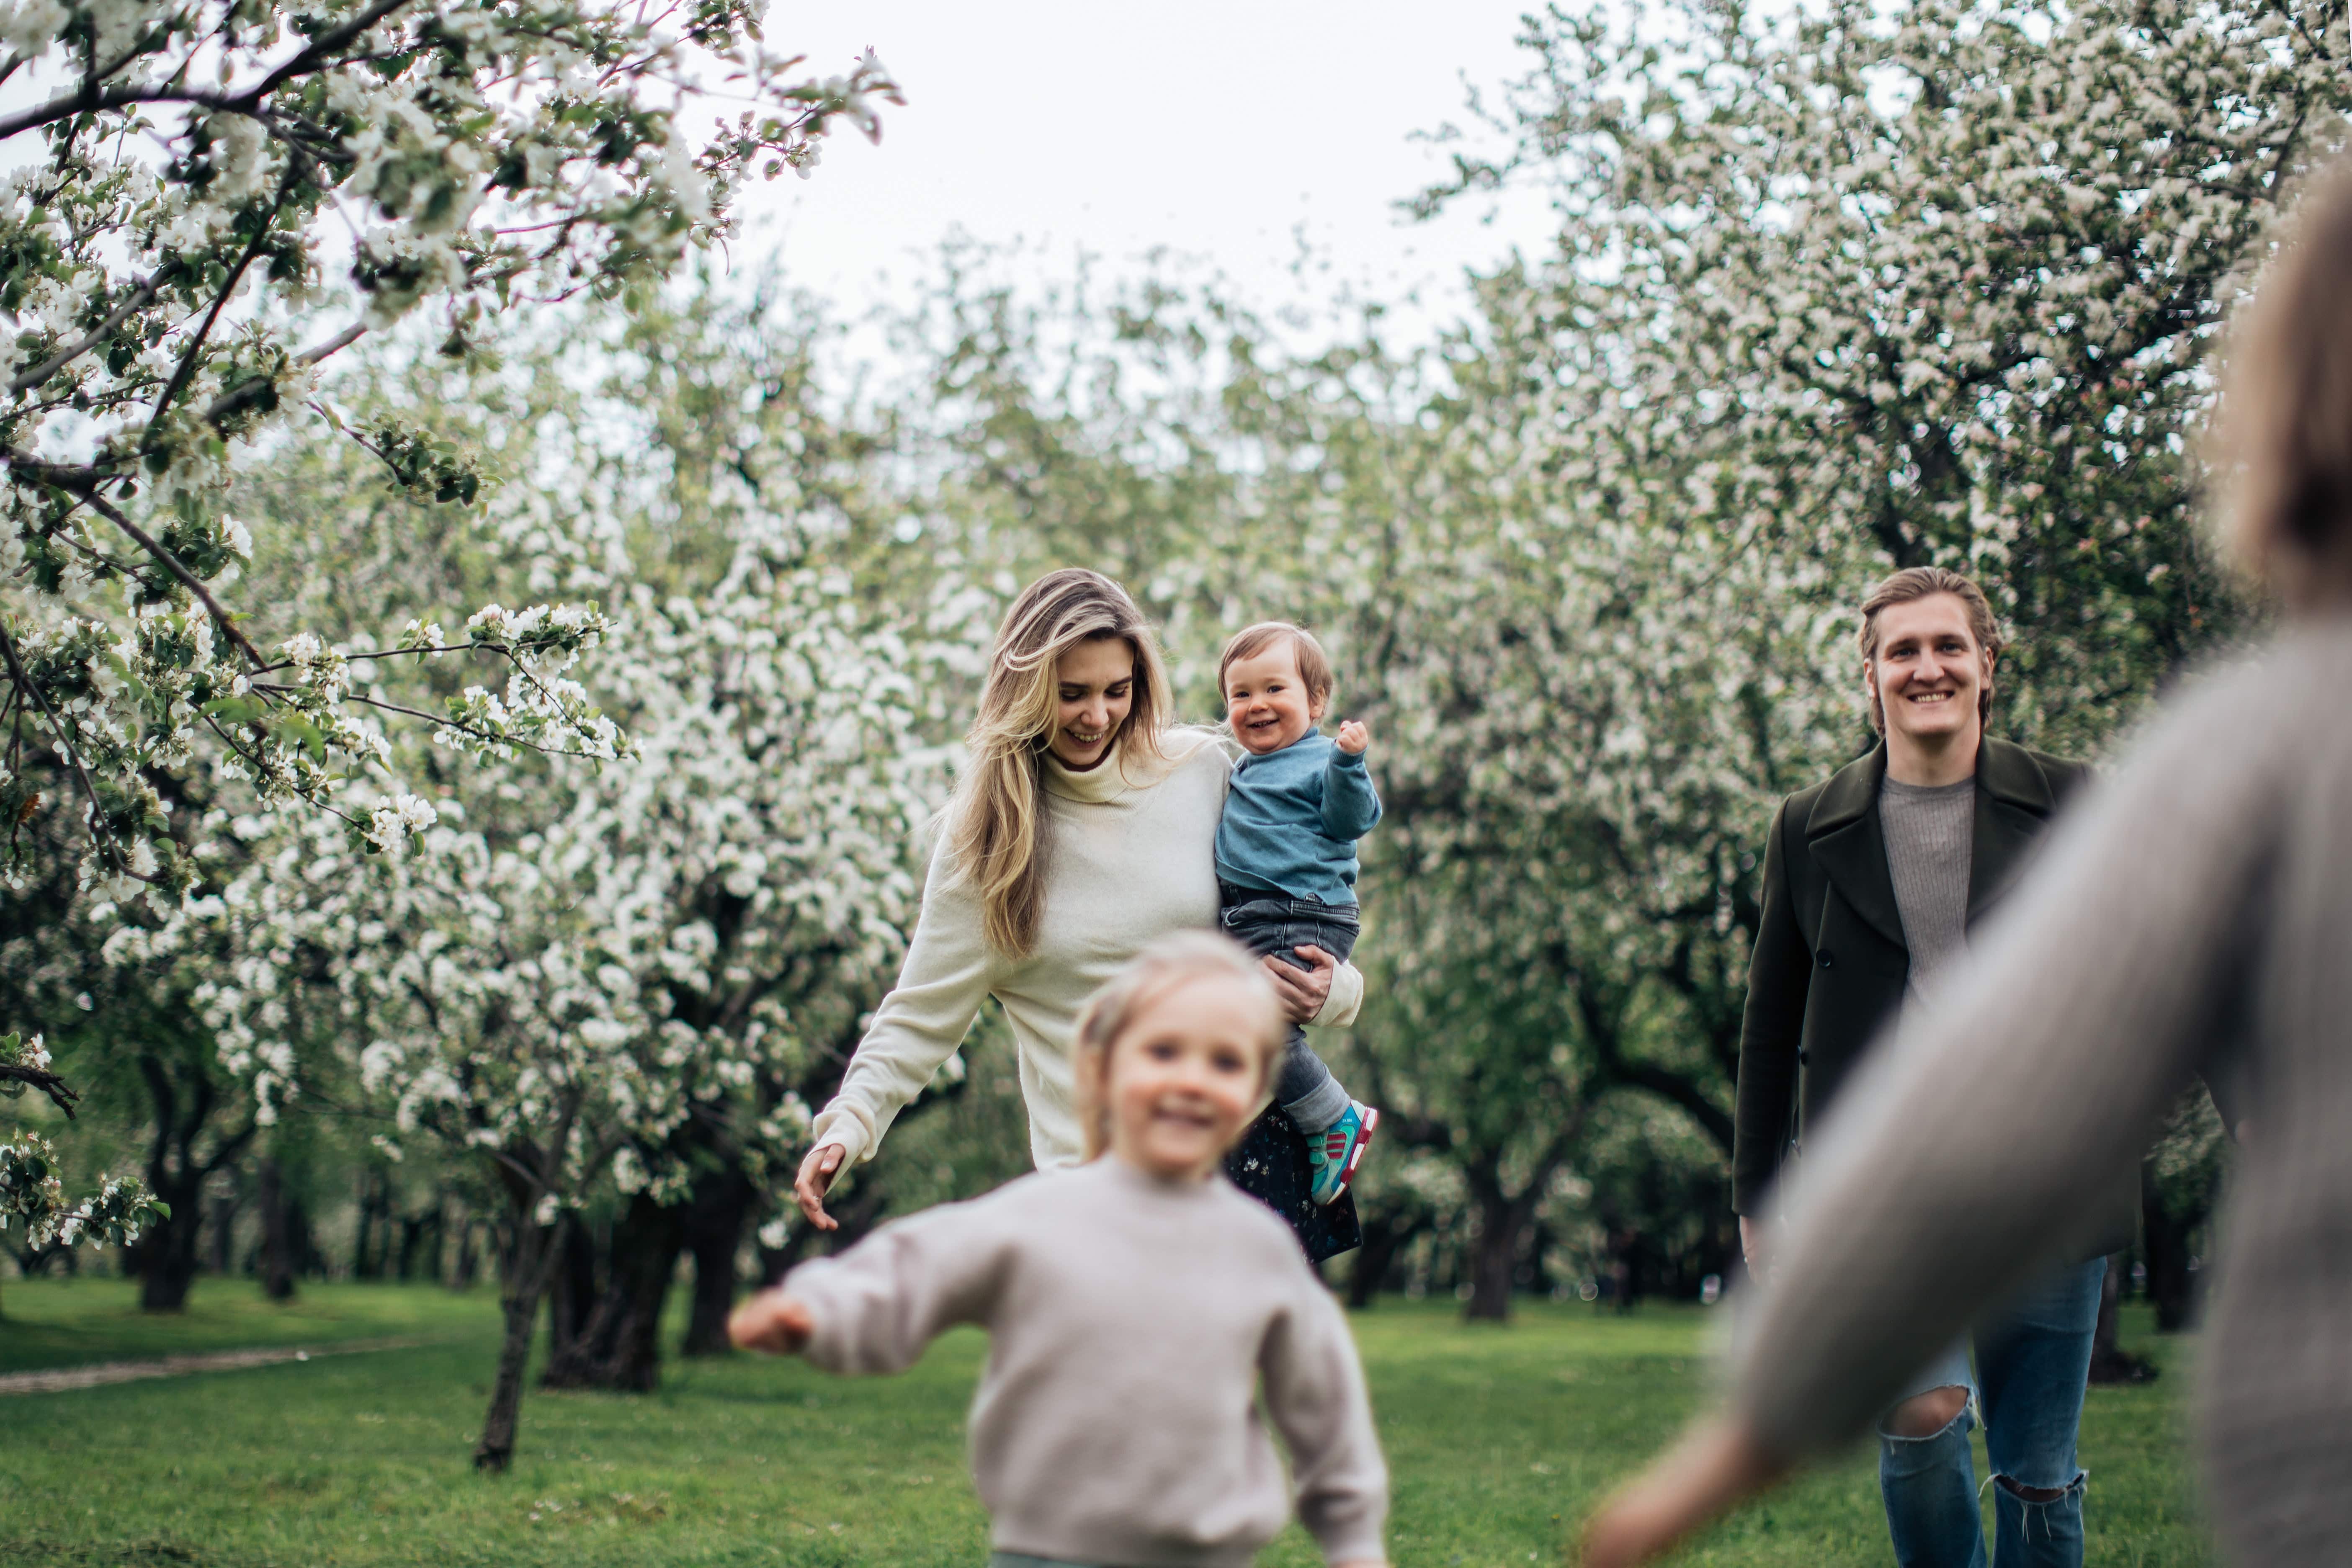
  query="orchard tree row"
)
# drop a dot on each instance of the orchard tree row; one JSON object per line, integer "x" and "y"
{"x": 585, "y": 900}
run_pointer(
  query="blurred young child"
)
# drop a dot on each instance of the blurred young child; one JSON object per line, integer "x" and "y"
{"x": 1286, "y": 856}
{"x": 1133, "y": 1306}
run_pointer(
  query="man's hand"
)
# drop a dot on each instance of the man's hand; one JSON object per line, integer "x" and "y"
{"x": 1302, "y": 993}
{"x": 1713, "y": 1469}
{"x": 1353, "y": 737}
{"x": 771, "y": 1321}
{"x": 817, "y": 1171}
{"x": 1752, "y": 1247}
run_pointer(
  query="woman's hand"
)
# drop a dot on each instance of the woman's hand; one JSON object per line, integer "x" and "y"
{"x": 771, "y": 1321}
{"x": 817, "y": 1171}
{"x": 1303, "y": 992}
{"x": 1713, "y": 1469}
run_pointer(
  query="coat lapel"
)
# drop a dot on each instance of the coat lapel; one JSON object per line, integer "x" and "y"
{"x": 2014, "y": 803}
{"x": 1849, "y": 846}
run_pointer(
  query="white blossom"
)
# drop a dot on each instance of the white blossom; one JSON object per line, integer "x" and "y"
{"x": 175, "y": 209}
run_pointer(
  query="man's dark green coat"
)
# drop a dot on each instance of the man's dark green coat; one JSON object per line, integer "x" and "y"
{"x": 1827, "y": 976}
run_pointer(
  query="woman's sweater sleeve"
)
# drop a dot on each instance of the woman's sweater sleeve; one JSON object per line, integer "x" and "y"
{"x": 1314, "y": 1393}
{"x": 1956, "y": 1165}
{"x": 922, "y": 1022}
{"x": 875, "y": 1307}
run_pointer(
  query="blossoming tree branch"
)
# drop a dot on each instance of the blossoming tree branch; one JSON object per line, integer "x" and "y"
{"x": 209, "y": 200}
{"x": 31, "y": 1193}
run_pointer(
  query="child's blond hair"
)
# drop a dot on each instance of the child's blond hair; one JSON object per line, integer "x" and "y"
{"x": 1167, "y": 963}
{"x": 1314, "y": 664}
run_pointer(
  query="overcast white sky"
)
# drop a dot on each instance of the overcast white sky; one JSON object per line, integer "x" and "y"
{"x": 1227, "y": 131}
{"x": 1223, "y": 130}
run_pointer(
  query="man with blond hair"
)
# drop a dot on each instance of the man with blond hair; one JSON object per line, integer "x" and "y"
{"x": 1872, "y": 880}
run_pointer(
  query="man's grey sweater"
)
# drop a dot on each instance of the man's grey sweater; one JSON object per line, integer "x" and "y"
{"x": 1929, "y": 830}
{"x": 2193, "y": 912}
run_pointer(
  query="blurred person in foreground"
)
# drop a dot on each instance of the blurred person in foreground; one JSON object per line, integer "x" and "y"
{"x": 2195, "y": 911}
{"x": 1873, "y": 881}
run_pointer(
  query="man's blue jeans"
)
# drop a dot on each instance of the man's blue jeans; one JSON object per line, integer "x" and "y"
{"x": 2031, "y": 1362}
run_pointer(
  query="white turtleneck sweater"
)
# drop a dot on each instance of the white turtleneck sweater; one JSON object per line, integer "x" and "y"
{"x": 1131, "y": 856}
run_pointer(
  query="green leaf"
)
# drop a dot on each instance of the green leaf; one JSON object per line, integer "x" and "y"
{"x": 234, "y": 710}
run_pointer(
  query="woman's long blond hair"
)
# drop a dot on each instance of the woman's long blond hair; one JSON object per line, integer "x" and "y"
{"x": 997, "y": 813}
{"x": 2283, "y": 442}
{"x": 1174, "y": 960}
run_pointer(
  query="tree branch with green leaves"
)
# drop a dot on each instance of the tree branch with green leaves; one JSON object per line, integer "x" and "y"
{"x": 194, "y": 186}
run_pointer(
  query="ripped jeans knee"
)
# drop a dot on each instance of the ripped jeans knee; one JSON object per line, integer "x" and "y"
{"x": 2038, "y": 1525}
{"x": 1930, "y": 1415}
{"x": 2040, "y": 1499}
{"x": 2040, "y": 1494}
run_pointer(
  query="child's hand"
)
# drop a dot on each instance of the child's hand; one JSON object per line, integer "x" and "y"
{"x": 771, "y": 1321}
{"x": 1713, "y": 1469}
{"x": 1353, "y": 737}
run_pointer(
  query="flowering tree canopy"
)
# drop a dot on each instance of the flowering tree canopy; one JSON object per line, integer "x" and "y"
{"x": 568, "y": 965}
{"x": 1836, "y": 291}
{"x": 1939, "y": 281}
{"x": 212, "y": 198}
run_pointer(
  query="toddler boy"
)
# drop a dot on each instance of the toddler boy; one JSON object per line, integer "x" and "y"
{"x": 1286, "y": 856}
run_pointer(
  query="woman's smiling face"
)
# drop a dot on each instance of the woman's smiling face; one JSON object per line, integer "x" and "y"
{"x": 1095, "y": 692}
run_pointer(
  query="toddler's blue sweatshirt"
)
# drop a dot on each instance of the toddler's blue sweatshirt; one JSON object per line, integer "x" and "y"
{"x": 1292, "y": 818}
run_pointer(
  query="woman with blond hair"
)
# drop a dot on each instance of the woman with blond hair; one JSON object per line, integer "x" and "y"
{"x": 2195, "y": 913}
{"x": 1083, "y": 827}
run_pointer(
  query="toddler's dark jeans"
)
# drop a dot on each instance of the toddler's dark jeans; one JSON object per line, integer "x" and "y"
{"x": 1276, "y": 923}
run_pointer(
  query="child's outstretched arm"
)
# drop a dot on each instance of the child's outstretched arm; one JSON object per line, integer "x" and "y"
{"x": 1716, "y": 1467}
{"x": 875, "y": 1307}
{"x": 771, "y": 1321}
{"x": 1314, "y": 1393}
{"x": 1350, "y": 805}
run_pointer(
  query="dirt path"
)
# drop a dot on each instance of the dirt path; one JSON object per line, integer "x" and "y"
{"x": 58, "y": 1380}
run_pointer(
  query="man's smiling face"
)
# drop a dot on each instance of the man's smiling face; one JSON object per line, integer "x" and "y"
{"x": 1929, "y": 673}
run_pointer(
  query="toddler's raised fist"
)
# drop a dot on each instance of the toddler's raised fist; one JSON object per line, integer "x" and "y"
{"x": 1353, "y": 737}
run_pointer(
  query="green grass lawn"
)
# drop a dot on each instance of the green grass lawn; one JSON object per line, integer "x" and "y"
{"x": 1498, "y": 1440}
{"x": 71, "y": 1322}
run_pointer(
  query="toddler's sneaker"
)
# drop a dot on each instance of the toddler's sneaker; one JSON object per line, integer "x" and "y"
{"x": 1334, "y": 1153}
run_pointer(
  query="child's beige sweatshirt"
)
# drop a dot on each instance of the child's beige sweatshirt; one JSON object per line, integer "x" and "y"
{"x": 1129, "y": 1322}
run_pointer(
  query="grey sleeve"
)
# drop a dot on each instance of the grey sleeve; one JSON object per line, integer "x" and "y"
{"x": 876, "y": 1306}
{"x": 1956, "y": 1163}
{"x": 1315, "y": 1392}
